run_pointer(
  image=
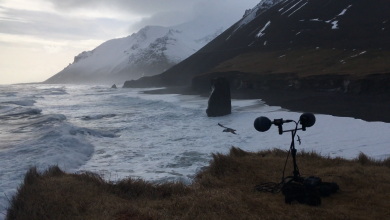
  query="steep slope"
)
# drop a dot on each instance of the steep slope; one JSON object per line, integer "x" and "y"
{"x": 150, "y": 51}
{"x": 328, "y": 35}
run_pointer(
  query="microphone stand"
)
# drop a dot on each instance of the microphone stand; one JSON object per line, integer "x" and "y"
{"x": 297, "y": 176}
{"x": 304, "y": 190}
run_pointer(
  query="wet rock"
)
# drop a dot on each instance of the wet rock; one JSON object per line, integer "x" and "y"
{"x": 113, "y": 87}
{"x": 220, "y": 100}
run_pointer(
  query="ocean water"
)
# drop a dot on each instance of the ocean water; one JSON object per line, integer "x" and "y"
{"x": 120, "y": 133}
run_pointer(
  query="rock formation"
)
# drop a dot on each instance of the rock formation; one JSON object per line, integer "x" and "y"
{"x": 113, "y": 87}
{"x": 219, "y": 102}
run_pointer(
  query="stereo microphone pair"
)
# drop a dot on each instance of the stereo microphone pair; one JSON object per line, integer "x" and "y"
{"x": 263, "y": 124}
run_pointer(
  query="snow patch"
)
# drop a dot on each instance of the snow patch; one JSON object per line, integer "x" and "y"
{"x": 297, "y": 9}
{"x": 262, "y": 30}
{"x": 359, "y": 54}
{"x": 252, "y": 14}
{"x": 334, "y": 21}
{"x": 291, "y": 7}
{"x": 286, "y": 5}
{"x": 345, "y": 10}
{"x": 335, "y": 25}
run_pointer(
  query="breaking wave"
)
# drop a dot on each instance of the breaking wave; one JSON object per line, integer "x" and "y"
{"x": 54, "y": 91}
{"x": 21, "y": 102}
{"x": 86, "y": 131}
{"x": 18, "y": 111}
{"x": 96, "y": 117}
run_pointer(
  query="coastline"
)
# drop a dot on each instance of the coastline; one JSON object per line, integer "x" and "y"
{"x": 368, "y": 107}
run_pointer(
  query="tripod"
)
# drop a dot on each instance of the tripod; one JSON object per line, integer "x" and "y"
{"x": 297, "y": 175}
{"x": 304, "y": 190}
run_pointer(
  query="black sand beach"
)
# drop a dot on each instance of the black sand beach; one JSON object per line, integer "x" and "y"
{"x": 375, "y": 107}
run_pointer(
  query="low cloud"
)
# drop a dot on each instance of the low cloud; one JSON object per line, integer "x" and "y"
{"x": 56, "y": 27}
{"x": 106, "y": 19}
{"x": 53, "y": 49}
{"x": 45, "y": 35}
{"x": 164, "y": 19}
{"x": 220, "y": 12}
{"x": 164, "y": 13}
{"x": 144, "y": 7}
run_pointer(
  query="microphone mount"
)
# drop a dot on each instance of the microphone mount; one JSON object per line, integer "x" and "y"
{"x": 279, "y": 123}
{"x": 263, "y": 124}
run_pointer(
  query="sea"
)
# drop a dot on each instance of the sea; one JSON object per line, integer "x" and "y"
{"x": 120, "y": 133}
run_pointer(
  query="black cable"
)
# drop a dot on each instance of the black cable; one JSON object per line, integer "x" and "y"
{"x": 273, "y": 187}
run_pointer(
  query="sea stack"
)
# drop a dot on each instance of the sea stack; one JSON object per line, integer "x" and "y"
{"x": 220, "y": 101}
{"x": 113, "y": 87}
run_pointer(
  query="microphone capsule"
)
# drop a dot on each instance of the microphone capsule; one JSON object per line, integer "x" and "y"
{"x": 262, "y": 124}
{"x": 307, "y": 119}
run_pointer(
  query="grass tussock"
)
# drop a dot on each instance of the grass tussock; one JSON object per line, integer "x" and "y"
{"x": 225, "y": 190}
{"x": 365, "y": 160}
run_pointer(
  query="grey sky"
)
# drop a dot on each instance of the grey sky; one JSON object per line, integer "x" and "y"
{"x": 39, "y": 38}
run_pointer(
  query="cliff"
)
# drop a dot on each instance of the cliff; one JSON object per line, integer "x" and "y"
{"x": 302, "y": 44}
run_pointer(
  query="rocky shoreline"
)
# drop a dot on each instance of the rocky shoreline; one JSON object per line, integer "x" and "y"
{"x": 368, "y": 107}
{"x": 345, "y": 83}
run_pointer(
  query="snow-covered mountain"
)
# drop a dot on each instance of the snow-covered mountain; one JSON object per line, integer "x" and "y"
{"x": 251, "y": 14}
{"x": 148, "y": 52}
{"x": 322, "y": 45}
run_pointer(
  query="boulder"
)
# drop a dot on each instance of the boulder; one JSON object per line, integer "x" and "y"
{"x": 219, "y": 102}
{"x": 113, "y": 87}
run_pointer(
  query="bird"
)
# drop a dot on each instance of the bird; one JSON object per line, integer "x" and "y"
{"x": 299, "y": 140}
{"x": 227, "y": 129}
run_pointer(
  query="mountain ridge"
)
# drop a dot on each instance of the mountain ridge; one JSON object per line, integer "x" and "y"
{"x": 150, "y": 51}
{"x": 288, "y": 26}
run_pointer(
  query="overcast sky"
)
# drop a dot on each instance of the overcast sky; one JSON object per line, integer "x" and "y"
{"x": 38, "y": 38}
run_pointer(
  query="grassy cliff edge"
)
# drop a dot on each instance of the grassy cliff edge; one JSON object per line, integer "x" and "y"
{"x": 225, "y": 190}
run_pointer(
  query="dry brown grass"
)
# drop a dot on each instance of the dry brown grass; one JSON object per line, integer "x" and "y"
{"x": 225, "y": 190}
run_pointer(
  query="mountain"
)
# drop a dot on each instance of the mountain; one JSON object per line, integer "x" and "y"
{"x": 295, "y": 44}
{"x": 150, "y": 51}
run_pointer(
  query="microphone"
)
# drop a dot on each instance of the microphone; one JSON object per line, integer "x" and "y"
{"x": 307, "y": 120}
{"x": 263, "y": 124}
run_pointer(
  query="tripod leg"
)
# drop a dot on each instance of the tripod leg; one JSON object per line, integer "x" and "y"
{"x": 294, "y": 154}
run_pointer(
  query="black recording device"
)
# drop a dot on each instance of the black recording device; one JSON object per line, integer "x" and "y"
{"x": 296, "y": 188}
